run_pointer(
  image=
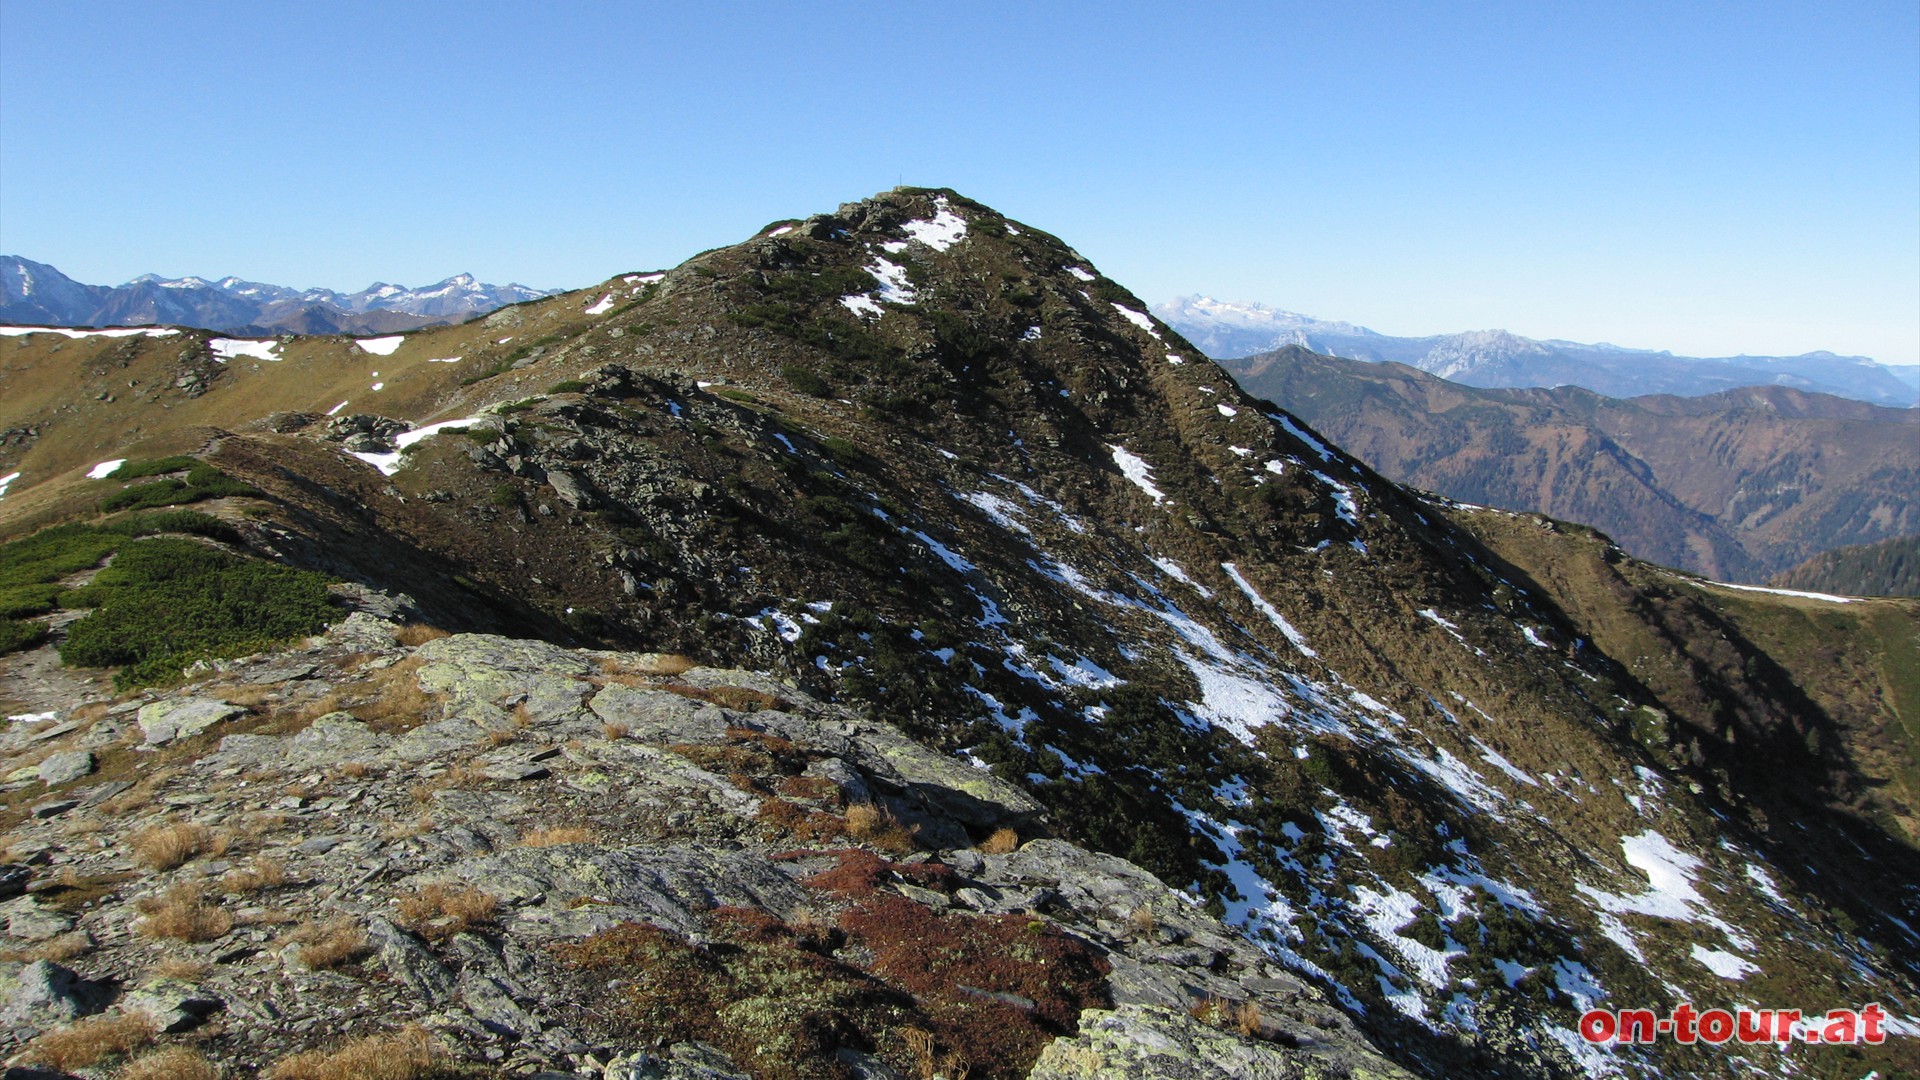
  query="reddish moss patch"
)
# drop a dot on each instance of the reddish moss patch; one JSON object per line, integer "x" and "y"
{"x": 977, "y": 996}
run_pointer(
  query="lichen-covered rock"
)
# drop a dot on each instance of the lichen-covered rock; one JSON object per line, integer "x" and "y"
{"x": 42, "y": 994}
{"x": 164, "y": 721}
{"x": 1146, "y": 1042}
{"x": 65, "y": 767}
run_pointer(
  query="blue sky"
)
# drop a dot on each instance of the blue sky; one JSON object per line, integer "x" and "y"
{"x": 1709, "y": 178}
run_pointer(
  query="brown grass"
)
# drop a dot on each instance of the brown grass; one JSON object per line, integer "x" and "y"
{"x": 877, "y": 826}
{"x": 413, "y": 635}
{"x": 355, "y": 769}
{"x": 261, "y": 873}
{"x": 459, "y": 775}
{"x": 1002, "y": 842}
{"x": 91, "y": 1041}
{"x": 614, "y": 732}
{"x": 440, "y": 911}
{"x": 407, "y": 1054}
{"x": 183, "y": 913}
{"x": 403, "y": 830}
{"x": 557, "y": 836}
{"x": 181, "y": 969}
{"x": 1141, "y": 921}
{"x": 1239, "y": 1016}
{"x": 173, "y": 1063}
{"x": 501, "y": 738}
{"x": 166, "y": 846}
{"x": 632, "y": 669}
{"x": 327, "y": 945}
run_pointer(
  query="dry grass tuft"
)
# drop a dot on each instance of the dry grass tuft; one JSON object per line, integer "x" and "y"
{"x": 1002, "y": 842}
{"x": 91, "y": 1041}
{"x": 327, "y": 945}
{"x": 413, "y": 635}
{"x": 1141, "y": 921}
{"x": 407, "y": 1054}
{"x": 183, "y": 913}
{"x": 877, "y": 826}
{"x": 354, "y": 770}
{"x": 614, "y": 732}
{"x": 261, "y": 873}
{"x": 501, "y": 738}
{"x": 166, "y": 846}
{"x": 440, "y": 911}
{"x": 181, "y": 969}
{"x": 557, "y": 836}
{"x": 173, "y": 1063}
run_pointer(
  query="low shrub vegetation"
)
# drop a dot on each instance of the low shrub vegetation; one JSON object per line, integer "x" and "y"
{"x": 165, "y": 603}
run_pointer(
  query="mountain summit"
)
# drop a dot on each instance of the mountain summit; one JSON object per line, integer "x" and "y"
{"x": 1464, "y": 774}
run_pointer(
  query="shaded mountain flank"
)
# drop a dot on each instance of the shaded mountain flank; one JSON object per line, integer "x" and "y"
{"x": 1886, "y": 568}
{"x": 1495, "y": 358}
{"x": 1060, "y": 586}
{"x": 35, "y": 294}
{"x": 1736, "y": 485}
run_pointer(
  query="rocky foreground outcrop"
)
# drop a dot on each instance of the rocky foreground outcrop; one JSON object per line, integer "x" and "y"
{"x": 482, "y": 856}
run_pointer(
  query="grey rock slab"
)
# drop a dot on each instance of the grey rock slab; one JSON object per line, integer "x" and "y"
{"x": 174, "y": 1006}
{"x": 667, "y": 885}
{"x": 65, "y": 767}
{"x": 29, "y": 921}
{"x": 43, "y": 994}
{"x": 164, "y": 721}
{"x": 409, "y": 961}
{"x": 944, "y": 785}
{"x": 658, "y": 716}
{"x": 681, "y": 1061}
{"x": 1143, "y": 1042}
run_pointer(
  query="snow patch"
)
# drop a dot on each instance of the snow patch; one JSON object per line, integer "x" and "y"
{"x": 1272, "y": 613}
{"x": 601, "y": 306}
{"x": 1137, "y": 319}
{"x": 105, "y": 469}
{"x": 225, "y": 349}
{"x": 1723, "y": 963}
{"x": 63, "y": 331}
{"x": 381, "y": 346}
{"x": 6, "y": 482}
{"x": 942, "y": 232}
{"x": 1135, "y": 468}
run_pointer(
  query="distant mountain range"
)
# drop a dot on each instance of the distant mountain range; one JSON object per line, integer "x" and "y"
{"x": 35, "y": 294}
{"x": 1495, "y": 358}
{"x": 1737, "y": 485}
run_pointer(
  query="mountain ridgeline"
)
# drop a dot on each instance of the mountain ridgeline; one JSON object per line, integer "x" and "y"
{"x": 1468, "y": 772}
{"x": 1887, "y": 568}
{"x": 35, "y": 294}
{"x": 1736, "y": 485}
{"x": 1496, "y": 358}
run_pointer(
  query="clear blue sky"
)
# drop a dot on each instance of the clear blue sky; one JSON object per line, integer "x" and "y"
{"x": 1710, "y": 178}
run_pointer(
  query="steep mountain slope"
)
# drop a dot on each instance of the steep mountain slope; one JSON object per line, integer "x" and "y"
{"x": 1888, "y": 568}
{"x": 35, "y": 294}
{"x": 1496, "y": 358}
{"x": 1736, "y": 485}
{"x": 925, "y": 460}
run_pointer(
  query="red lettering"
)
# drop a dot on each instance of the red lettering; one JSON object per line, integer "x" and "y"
{"x": 1716, "y": 1026}
{"x": 1783, "y": 1022}
{"x": 1597, "y": 1026}
{"x": 1841, "y": 1027}
{"x": 1756, "y": 1025}
{"x": 1683, "y": 1021}
{"x": 1872, "y": 1016}
{"x": 1637, "y": 1025}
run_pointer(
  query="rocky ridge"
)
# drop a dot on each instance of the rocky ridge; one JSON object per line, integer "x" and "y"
{"x": 579, "y": 792}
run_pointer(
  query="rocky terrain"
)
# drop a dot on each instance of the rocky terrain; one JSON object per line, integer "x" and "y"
{"x": 356, "y": 835}
{"x": 1463, "y": 773}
